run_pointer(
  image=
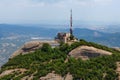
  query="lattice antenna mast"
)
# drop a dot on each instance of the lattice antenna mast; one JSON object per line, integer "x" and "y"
{"x": 71, "y": 25}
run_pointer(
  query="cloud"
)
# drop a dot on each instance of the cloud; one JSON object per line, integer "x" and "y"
{"x": 41, "y": 3}
{"x": 36, "y": 10}
{"x": 20, "y": 4}
{"x": 80, "y": 1}
{"x": 72, "y": 3}
{"x": 47, "y": 1}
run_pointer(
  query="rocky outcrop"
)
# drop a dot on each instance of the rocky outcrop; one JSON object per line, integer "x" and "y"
{"x": 86, "y": 52}
{"x": 118, "y": 69}
{"x": 31, "y": 47}
{"x": 117, "y": 48}
{"x": 49, "y": 76}
{"x": 53, "y": 76}
{"x": 8, "y": 72}
{"x": 27, "y": 48}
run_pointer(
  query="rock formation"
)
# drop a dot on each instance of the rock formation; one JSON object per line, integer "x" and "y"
{"x": 86, "y": 52}
{"x": 117, "y": 48}
{"x": 31, "y": 47}
{"x": 7, "y": 72}
{"x": 53, "y": 76}
{"x": 27, "y": 48}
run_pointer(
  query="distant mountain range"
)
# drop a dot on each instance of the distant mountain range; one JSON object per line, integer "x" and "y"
{"x": 109, "y": 39}
{"x": 7, "y": 30}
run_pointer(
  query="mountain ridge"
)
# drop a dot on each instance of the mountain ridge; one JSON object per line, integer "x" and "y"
{"x": 109, "y": 39}
{"x": 47, "y": 62}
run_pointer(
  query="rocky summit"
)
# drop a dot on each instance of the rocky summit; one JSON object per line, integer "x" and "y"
{"x": 80, "y": 60}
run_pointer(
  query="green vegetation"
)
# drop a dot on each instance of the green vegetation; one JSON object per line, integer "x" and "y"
{"x": 72, "y": 37}
{"x": 47, "y": 59}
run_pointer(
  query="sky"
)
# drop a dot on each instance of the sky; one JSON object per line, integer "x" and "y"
{"x": 58, "y": 11}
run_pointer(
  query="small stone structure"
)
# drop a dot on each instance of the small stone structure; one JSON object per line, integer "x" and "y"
{"x": 66, "y": 37}
{"x": 63, "y": 37}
